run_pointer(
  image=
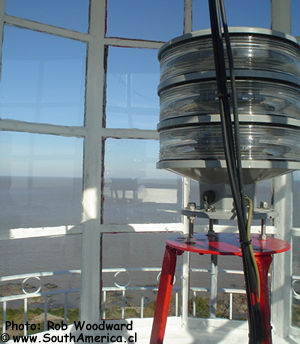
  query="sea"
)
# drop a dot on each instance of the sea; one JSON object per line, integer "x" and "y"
{"x": 27, "y": 202}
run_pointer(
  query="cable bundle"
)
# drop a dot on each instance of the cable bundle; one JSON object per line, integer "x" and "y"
{"x": 231, "y": 143}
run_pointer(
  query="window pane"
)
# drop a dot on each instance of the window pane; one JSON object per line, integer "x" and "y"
{"x": 132, "y": 80}
{"x": 135, "y": 250}
{"x": 134, "y": 190}
{"x": 40, "y": 180}
{"x": 296, "y": 284}
{"x": 200, "y": 15}
{"x": 152, "y": 20}
{"x": 296, "y": 199}
{"x": 131, "y": 250}
{"x": 295, "y": 10}
{"x": 296, "y": 250}
{"x": 239, "y": 13}
{"x": 70, "y": 14}
{"x": 296, "y": 256}
{"x": 34, "y": 255}
{"x": 43, "y": 78}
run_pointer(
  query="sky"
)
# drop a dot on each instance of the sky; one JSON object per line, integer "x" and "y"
{"x": 43, "y": 79}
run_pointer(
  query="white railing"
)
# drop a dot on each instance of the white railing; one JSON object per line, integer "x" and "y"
{"x": 38, "y": 292}
{"x": 127, "y": 287}
{"x": 296, "y": 294}
{"x": 117, "y": 287}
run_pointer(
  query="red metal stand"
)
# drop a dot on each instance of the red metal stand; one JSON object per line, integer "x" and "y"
{"x": 218, "y": 244}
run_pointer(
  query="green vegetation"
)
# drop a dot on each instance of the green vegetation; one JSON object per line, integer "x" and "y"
{"x": 202, "y": 307}
{"x": 36, "y": 316}
{"x": 114, "y": 311}
{"x": 296, "y": 315}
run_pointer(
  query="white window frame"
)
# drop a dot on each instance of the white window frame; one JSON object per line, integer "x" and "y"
{"x": 94, "y": 134}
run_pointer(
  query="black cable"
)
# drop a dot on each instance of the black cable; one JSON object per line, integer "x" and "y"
{"x": 234, "y": 105}
{"x": 253, "y": 280}
{"x": 225, "y": 110}
{"x": 233, "y": 161}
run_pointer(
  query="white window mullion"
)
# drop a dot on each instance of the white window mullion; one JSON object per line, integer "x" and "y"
{"x": 51, "y": 29}
{"x": 41, "y": 128}
{"x": 281, "y": 276}
{"x": 188, "y": 7}
{"x": 186, "y": 190}
{"x": 121, "y": 133}
{"x": 281, "y": 16}
{"x": 132, "y": 43}
{"x": 2, "y": 14}
{"x": 90, "y": 287}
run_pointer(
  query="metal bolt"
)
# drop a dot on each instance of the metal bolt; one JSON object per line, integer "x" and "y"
{"x": 191, "y": 206}
{"x": 263, "y": 234}
{"x": 264, "y": 205}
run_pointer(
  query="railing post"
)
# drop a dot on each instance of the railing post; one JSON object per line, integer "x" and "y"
{"x": 194, "y": 304}
{"x": 185, "y": 257}
{"x": 142, "y": 307}
{"x": 45, "y": 312}
{"x": 176, "y": 303}
{"x": 25, "y": 315}
{"x": 230, "y": 306}
{"x": 123, "y": 304}
{"x": 213, "y": 286}
{"x": 4, "y": 318}
{"x": 104, "y": 305}
{"x": 65, "y": 307}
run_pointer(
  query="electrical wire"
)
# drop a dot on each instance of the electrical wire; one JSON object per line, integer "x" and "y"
{"x": 237, "y": 137}
{"x": 250, "y": 213}
{"x": 234, "y": 103}
{"x": 233, "y": 161}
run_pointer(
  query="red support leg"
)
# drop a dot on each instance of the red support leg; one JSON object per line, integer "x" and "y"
{"x": 263, "y": 264}
{"x": 163, "y": 296}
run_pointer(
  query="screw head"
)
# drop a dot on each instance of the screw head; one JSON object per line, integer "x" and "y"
{"x": 191, "y": 206}
{"x": 264, "y": 205}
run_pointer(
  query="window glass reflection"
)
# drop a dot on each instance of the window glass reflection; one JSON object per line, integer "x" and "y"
{"x": 43, "y": 78}
{"x": 131, "y": 96}
{"x": 134, "y": 190}
{"x": 40, "y": 180}
{"x": 143, "y": 19}
{"x": 69, "y": 14}
{"x": 255, "y": 13}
